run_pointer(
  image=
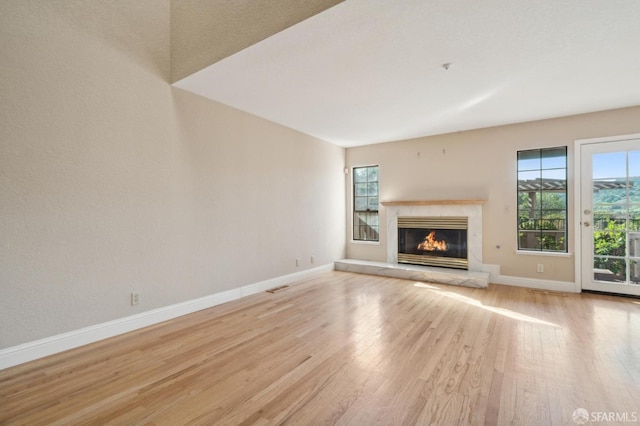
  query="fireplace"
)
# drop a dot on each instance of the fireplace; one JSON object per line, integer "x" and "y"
{"x": 471, "y": 209}
{"x": 433, "y": 241}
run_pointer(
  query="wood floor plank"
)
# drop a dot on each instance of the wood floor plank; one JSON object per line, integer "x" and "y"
{"x": 349, "y": 349}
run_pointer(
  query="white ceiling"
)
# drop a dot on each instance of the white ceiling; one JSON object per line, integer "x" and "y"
{"x": 370, "y": 71}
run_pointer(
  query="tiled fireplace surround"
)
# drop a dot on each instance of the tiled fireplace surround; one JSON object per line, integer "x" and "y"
{"x": 474, "y": 231}
{"x": 474, "y": 277}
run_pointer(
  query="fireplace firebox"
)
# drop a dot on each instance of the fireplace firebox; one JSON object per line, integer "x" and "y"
{"x": 433, "y": 241}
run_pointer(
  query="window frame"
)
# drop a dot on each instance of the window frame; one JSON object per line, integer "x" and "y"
{"x": 538, "y": 215}
{"x": 354, "y": 211}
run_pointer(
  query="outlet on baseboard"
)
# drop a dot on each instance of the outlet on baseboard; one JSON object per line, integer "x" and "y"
{"x": 135, "y": 298}
{"x": 540, "y": 267}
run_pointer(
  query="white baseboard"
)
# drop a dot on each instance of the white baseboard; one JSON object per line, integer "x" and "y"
{"x": 496, "y": 278}
{"x": 61, "y": 342}
{"x": 563, "y": 286}
{"x": 250, "y": 289}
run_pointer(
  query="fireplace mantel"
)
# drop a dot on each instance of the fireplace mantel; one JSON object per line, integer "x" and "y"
{"x": 473, "y": 277}
{"x": 431, "y": 202}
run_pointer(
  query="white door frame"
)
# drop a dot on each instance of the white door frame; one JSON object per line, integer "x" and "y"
{"x": 577, "y": 211}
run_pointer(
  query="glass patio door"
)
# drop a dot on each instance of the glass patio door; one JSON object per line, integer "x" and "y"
{"x": 610, "y": 217}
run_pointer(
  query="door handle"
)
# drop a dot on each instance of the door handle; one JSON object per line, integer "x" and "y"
{"x": 587, "y": 224}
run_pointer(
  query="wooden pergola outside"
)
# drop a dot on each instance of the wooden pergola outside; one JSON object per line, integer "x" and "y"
{"x": 556, "y": 227}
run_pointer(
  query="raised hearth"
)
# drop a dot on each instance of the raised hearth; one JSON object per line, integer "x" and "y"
{"x": 416, "y": 273}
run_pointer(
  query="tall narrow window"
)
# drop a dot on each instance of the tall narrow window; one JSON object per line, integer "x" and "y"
{"x": 365, "y": 203}
{"x": 542, "y": 199}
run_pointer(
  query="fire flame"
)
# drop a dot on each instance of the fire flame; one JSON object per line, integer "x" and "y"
{"x": 431, "y": 244}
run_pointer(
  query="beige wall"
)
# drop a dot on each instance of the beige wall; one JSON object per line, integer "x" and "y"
{"x": 111, "y": 181}
{"x": 481, "y": 164}
{"x": 204, "y": 32}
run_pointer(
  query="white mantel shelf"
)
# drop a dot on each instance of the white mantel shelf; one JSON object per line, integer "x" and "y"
{"x": 431, "y": 202}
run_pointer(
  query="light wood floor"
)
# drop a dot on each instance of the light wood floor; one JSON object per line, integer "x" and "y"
{"x": 350, "y": 349}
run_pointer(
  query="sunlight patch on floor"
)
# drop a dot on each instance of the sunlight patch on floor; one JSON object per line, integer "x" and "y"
{"x": 500, "y": 311}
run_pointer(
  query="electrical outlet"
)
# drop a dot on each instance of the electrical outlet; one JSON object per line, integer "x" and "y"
{"x": 135, "y": 298}
{"x": 313, "y": 259}
{"x": 297, "y": 262}
{"x": 540, "y": 267}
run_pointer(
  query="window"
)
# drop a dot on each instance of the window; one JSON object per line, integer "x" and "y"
{"x": 542, "y": 199}
{"x": 365, "y": 203}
